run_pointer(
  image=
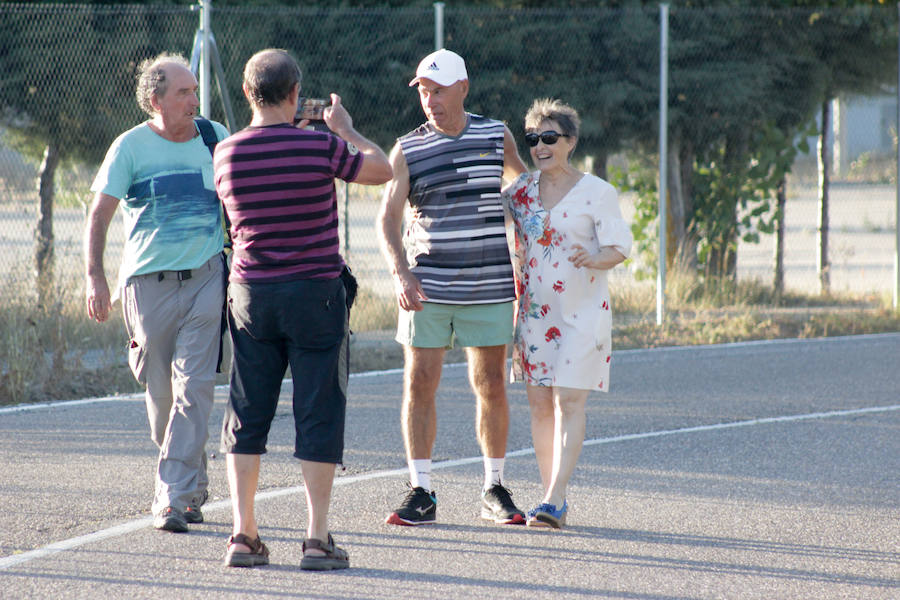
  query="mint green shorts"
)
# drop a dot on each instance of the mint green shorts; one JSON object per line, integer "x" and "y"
{"x": 438, "y": 325}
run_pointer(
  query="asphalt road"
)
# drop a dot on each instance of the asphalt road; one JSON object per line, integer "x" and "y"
{"x": 758, "y": 470}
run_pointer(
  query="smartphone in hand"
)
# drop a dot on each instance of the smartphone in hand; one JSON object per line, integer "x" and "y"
{"x": 311, "y": 109}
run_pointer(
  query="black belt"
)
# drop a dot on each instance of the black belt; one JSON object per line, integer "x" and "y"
{"x": 179, "y": 275}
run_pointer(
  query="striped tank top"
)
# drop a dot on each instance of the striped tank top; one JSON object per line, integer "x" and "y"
{"x": 455, "y": 236}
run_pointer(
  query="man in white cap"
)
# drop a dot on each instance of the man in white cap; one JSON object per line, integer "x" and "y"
{"x": 454, "y": 279}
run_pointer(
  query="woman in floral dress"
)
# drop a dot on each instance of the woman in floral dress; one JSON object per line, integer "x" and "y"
{"x": 569, "y": 233}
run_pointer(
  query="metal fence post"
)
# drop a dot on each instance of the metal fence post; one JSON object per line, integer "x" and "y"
{"x": 897, "y": 185}
{"x": 663, "y": 156}
{"x": 346, "y": 220}
{"x": 205, "y": 57}
{"x": 438, "y": 25}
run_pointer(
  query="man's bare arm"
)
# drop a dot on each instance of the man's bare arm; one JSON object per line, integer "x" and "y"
{"x": 390, "y": 221}
{"x": 512, "y": 163}
{"x": 376, "y": 168}
{"x": 102, "y": 210}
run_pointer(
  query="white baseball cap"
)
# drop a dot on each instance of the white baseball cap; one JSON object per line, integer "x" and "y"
{"x": 442, "y": 67}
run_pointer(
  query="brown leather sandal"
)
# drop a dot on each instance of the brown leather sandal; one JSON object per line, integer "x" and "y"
{"x": 334, "y": 557}
{"x": 258, "y": 555}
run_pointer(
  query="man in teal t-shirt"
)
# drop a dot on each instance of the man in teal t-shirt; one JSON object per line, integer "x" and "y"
{"x": 171, "y": 279}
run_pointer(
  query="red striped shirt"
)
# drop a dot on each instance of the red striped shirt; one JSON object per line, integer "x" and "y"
{"x": 277, "y": 185}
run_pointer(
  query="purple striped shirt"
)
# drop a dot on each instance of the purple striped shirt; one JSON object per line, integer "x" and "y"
{"x": 277, "y": 185}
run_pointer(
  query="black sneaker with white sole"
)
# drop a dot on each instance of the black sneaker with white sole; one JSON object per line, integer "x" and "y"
{"x": 418, "y": 508}
{"x": 497, "y": 506}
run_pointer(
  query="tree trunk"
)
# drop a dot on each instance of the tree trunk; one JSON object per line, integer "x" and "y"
{"x": 43, "y": 251}
{"x": 600, "y": 160}
{"x": 722, "y": 260}
{"x": 723, "y": 252}
{"x": 781, "y": 202}
{"x": 823, "y": 267}
{"x": 681, "y": 248}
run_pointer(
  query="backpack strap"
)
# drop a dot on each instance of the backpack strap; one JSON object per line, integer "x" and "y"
{"x": 208, "y": 133}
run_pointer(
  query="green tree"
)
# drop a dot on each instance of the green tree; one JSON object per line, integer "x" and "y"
{"x": 596, "y": 60}
{"x": 743, "y": 82}
{"x": 360, "y": 55}
{"x": 68, "y": 90}
{"x": 736, "y": 75}
{"x": 856, "y": 51}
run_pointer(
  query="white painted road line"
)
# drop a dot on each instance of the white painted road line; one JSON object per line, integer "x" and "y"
{"x": 130, "y": 526}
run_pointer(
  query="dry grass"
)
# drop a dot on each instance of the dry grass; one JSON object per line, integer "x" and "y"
{"x": 723, "y": 326}
{"x": 697, "y": 312}
{"x": 717, "y": 311}
{"x": 372, "y": 312}
{"x": 55, "y": 352}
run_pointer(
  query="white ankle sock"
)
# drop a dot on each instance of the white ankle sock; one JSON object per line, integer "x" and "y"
{"x": 493, "y": 471}
{"x": 420, "y": 473}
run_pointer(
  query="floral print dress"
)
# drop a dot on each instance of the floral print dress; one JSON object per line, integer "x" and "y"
{"x": 564, "y": 321}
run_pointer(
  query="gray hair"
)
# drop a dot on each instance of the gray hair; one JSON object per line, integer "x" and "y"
{"x": 152, "y": 78}
{"x": 547, "y": 109}
{"x": 269, "y": 76}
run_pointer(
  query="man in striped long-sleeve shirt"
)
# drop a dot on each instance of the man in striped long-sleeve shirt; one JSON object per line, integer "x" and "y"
{"x": 286, "y": 300}
{"x": 454, "y": 278}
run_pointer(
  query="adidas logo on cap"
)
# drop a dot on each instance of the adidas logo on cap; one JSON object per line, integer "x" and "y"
{"x": 443, "y": 67}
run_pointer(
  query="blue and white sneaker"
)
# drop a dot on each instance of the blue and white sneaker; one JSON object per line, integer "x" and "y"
{"x": 547, "y": 515}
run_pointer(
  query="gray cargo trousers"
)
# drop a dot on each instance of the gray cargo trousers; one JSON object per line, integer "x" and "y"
{"x": 173, "y": 320}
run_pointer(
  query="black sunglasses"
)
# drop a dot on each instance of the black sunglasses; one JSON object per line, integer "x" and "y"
{"x": 548, "y": 137}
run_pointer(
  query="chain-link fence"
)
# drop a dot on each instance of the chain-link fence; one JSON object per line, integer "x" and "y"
{"x": 746, "y": 88}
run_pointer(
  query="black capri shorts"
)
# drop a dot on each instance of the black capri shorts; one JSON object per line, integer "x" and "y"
{"x": 303, "y": 324}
